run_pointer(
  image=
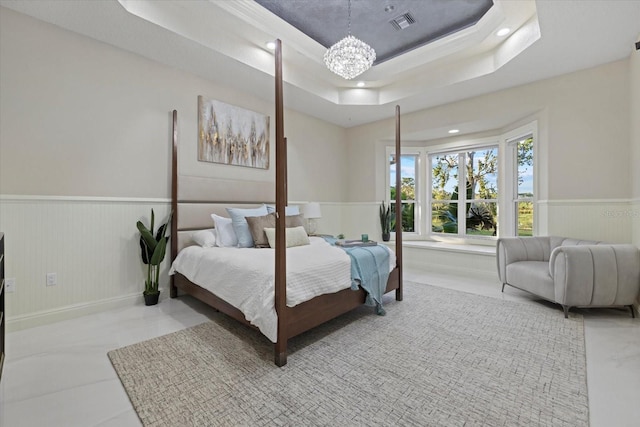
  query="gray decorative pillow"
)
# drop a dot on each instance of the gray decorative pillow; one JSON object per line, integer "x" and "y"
{"x": 294, "y": 221}
{"x": 257, "y": 224}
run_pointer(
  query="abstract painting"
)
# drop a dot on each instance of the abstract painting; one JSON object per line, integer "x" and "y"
{"x": 232, "y": 135}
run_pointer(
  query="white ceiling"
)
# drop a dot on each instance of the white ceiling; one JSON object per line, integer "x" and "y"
{"x": 223, "y": 40}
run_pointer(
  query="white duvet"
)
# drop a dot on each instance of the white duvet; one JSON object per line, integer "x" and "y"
{"x": 245, "y": 277}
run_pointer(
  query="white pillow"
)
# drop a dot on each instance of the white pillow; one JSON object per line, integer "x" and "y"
{"x": 225, "y": 236}
{"x": 204, "y": 238}
{"x": 296, "y": 236}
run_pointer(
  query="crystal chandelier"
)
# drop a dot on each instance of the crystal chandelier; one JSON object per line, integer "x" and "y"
{"x": 349, "y": 57}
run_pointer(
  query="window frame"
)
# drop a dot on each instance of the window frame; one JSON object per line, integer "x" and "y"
{"x": 408, "y": 151}
{"x": 507, "y": 175}
{"x": 510, "y": 184}
{"x": 462, "y": 201}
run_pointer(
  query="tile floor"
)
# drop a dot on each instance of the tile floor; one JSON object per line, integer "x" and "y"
{"x": 59, "y": 374}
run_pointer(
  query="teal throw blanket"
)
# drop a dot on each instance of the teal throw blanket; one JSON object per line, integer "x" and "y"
{"x": 369, "y": 270}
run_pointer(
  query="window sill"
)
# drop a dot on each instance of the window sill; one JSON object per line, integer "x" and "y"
{"x": 447, "y": 247}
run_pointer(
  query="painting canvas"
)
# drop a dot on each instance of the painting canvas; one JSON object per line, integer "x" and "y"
{"x": 232, "y": 135}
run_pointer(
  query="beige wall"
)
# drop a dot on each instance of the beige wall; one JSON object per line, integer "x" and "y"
{"x": 583, "y": 119}
{"x": 634, "y": 165}
{"x": 82, "y": 118}
{"x": 583, "y": 143}
{"x": 85, "y": 152}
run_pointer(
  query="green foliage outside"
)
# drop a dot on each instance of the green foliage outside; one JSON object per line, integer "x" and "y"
{"x": 525, "y": 219}
{"x": 525, "y": 209}
{"x": 481, "y": 217}
{"x": 408, "y": 192}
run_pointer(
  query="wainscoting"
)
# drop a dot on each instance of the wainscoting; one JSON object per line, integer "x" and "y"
{"x": 634, "y": 213}
{"x": 90, "y": 243}
{"x": 605, "y": 220}
{"x": 475, "y": 260}
{"x": 635, "y": 231}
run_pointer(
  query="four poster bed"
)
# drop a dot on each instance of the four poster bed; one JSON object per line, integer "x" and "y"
{"x": 194, "y": 199}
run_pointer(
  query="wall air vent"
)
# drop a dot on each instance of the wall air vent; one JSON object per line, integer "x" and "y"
{"x": 403, "y": 21}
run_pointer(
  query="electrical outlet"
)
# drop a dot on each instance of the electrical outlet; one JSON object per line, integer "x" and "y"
{"x": 10, "y": 284}
{"x": 52, "y": 279}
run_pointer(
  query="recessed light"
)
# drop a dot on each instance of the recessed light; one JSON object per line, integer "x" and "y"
{"x": 360, "y": 84}
{"x": 503, "y": 32}
{"x": 454, "y": 131}
{"x": 271, "y": 45}
{"x": 389, "y": 8}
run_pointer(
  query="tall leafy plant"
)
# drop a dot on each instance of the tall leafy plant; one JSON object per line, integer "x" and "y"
{"x": 153, "y": 247}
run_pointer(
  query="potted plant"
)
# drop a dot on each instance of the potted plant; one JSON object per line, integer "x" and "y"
{"x": 385, "y": 221}
{"x": 153, "y": 248}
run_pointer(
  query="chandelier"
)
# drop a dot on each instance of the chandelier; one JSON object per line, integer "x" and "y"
{"x": 349, "y": 57}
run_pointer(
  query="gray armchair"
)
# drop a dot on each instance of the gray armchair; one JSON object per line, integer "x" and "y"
{"x": 569, "y": 272}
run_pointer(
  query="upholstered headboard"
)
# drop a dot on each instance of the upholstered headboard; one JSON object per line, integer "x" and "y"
{"x": 199, "y": 197}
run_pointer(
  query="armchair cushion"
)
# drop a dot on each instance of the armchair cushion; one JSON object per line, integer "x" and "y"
{"x": 532, "y": 276}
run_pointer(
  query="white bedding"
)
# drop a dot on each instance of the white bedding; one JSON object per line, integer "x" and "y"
{"x": 244, "y": 277}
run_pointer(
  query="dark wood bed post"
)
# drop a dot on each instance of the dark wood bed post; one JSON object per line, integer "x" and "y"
{"x": 173, "y": 291}
{"x": 280, "y": 347}
{"x": 285, "y": 161}
{"x": 398, "y": 208}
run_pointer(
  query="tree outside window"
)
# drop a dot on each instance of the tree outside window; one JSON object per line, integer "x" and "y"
{"x": 475, "y": 210}
{"x": 459, "y": 194}
{"x": 524, "y": 206}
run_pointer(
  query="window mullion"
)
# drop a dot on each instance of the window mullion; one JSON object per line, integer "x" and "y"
{"x": 462, "y": 193}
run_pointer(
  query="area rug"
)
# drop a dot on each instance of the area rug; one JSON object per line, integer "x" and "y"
{"x": 438, "y": 358}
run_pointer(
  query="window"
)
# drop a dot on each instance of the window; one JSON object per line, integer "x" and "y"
{"x": 497, "y": 175}
{"x": 523, "y": 198}
{"x": 444, "y": 193}
{"x": 408, "y": 172}
{"x": 473, "y": 212}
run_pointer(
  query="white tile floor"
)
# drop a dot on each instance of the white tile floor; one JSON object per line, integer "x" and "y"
{"x": 59, "y": 374}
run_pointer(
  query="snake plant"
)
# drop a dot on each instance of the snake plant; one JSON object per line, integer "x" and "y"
{"x": 385, "y": 218}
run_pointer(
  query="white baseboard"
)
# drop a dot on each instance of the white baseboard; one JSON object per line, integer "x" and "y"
{"x": 452, "y": 270}
{"x": 46, "y": 317}
{"x": 59, "y": 226}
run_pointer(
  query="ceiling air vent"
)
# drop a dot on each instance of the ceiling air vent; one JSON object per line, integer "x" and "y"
{"x": 403, "y": 21}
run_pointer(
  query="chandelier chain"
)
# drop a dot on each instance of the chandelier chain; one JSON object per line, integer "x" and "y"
{"x": 349, "y": 19}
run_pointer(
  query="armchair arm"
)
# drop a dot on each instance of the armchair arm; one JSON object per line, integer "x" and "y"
{"x": 514, "y": 249}
{"x": 595, "y": 275}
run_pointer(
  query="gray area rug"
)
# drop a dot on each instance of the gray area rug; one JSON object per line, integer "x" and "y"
{"x": 438, "y": 358}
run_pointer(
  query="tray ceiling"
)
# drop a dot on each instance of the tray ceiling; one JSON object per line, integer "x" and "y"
{"x": 391, "y": 27}
{"x": 224, "y": 41}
